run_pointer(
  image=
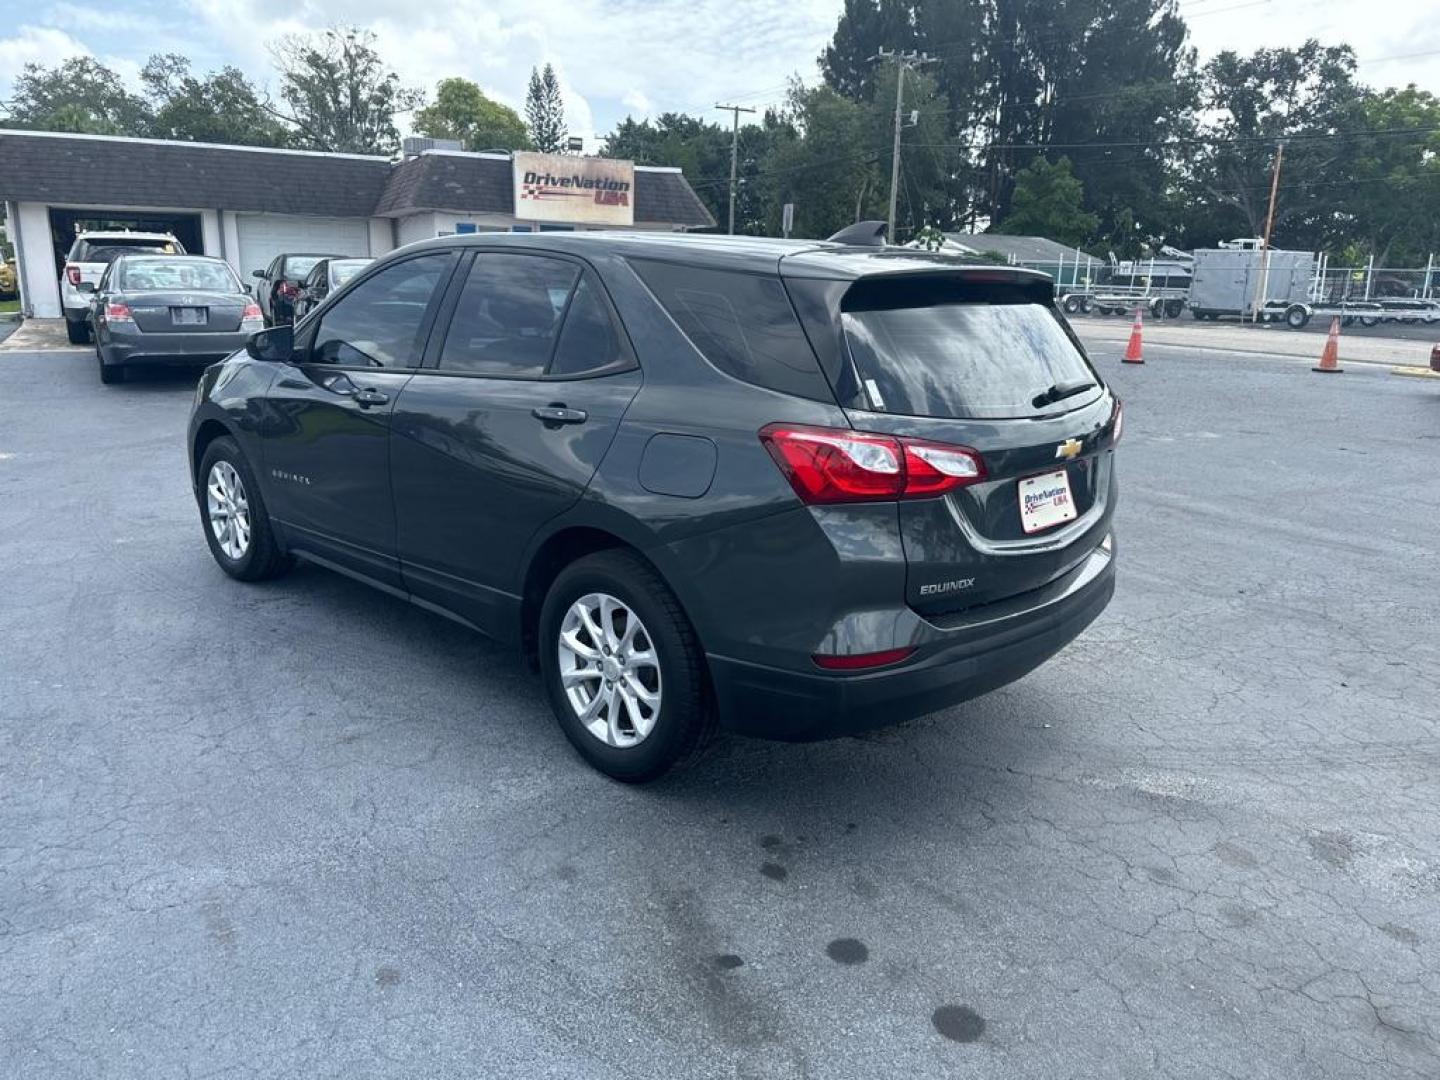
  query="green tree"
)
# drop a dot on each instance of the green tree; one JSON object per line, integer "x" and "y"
{"x": 81, "y": 94}
{"x": 1049, "y": 202}
{"x": 545, "y": 111}
{"x": 339, "y": 93}
{"x": 1306, "y": 97}
{"x": 1389, "y": 202}
{"x": 462, "y": 111}
{"x": 222, "y": 107}
{"x": 1022, "y": 76}
{"x": 834, "y": 171}
{"x": 701, "y": 149}
{"x": 865, "y": 27}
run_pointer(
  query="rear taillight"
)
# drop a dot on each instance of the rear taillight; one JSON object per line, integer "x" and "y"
{"x": 860, "y": 661}
{"x": 72, "y": 273}
{"x": 838, "y": 465}
{"x": 118, "y": 313}
{"x": 935, "y": 468}
{"x": 252, "y": 313}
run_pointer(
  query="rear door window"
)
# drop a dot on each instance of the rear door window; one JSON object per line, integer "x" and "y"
{"x": 961, "y": 350}
{"x": 741, "y": 322}
{"x": 589, "y": 341}
{"x": 508, "y": 315}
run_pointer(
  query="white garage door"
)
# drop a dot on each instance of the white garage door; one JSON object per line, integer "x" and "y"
{"x": 263, "y": 236}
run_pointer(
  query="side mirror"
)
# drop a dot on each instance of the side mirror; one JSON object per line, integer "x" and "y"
{"x": 257, "y": 273}
{"x": 85, "y": 286}
{"x": 275, "y": 346}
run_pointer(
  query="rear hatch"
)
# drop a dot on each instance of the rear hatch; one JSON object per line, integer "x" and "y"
{"x": 90, "y": 257}
{"x": 980, "y": 359}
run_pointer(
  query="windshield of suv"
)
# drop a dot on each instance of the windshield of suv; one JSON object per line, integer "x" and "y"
{"x": 164, "y": 275}
{"x": 970, "y": 352}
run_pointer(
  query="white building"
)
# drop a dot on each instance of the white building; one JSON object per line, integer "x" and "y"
{"x": 249, "y": 204}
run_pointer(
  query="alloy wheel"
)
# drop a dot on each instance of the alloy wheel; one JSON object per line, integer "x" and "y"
{"x": 609, "y": 670}
{"x": 228, "y": 509}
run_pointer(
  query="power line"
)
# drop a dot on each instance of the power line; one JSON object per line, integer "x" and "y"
{"x": 1201, "y": 140}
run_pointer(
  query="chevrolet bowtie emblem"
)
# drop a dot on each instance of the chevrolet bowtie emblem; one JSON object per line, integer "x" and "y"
{"x": 1068, "y": 449}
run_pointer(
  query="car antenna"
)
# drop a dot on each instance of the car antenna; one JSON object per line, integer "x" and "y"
{"x": 861, "y": 234}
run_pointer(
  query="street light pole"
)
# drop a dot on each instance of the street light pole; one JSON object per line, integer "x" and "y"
{"x": 735, "y": 111}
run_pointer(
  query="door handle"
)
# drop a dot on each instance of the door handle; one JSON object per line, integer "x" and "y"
{"x": 365, "y": 398}
{"x": 559, "y": 414}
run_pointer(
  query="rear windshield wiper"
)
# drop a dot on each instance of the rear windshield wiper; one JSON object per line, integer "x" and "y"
{"x": 1059, "y": 392}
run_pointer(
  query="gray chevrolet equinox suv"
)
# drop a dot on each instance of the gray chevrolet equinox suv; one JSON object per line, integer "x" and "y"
{"x": 786, "y": 488}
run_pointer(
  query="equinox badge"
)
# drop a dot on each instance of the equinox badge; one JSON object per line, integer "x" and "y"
{"x": 1068, "y": 449}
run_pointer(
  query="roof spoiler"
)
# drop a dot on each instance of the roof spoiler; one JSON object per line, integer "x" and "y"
{"x": 862, "y": 234}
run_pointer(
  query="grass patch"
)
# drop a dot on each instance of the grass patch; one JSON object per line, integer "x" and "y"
{"x": 9, "y": 305}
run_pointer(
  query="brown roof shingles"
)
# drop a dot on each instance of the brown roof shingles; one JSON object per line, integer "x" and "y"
{"x": 86, "y": 170}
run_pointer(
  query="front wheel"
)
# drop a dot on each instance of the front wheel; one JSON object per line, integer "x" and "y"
{"x": 232, "y": 512}
{"x": 623, "y": 668}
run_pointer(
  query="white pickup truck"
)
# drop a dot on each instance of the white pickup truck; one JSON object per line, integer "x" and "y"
{"x": 91, "y": 253}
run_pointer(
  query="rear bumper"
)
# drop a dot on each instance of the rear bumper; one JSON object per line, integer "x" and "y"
{"x": 171, "y": 348}
{"x": 957, "y": 658}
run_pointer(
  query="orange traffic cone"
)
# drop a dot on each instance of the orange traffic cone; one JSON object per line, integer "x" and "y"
{"x": 1132, "y": 350}
{"x": 1330, "y": 357}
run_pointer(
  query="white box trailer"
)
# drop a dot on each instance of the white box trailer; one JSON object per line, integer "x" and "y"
{"x": 1227, "y": 281}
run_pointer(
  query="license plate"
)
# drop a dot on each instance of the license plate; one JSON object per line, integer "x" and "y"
{"x": 190, "y": 316}
{"x": 1045, "y": 501}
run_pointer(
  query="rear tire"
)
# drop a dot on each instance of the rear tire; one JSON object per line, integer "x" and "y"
{"x": 247, "y": 550}
{"x": 684, "y": 722}
{"x": 77, "y": 332}
{"x": 110, "y": 374}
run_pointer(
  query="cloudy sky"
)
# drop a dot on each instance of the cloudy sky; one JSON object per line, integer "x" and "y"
{"x": 628, "y": 56}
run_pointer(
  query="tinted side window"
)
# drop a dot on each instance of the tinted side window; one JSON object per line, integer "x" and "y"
{"x": 508, "y": 315}
{"x": 379, "y": 323}
{"x": 742, "y": 323}
{"x": 589, "y": 340}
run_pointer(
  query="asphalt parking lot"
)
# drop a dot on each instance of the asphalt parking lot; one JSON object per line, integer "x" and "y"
{"x": 305, "y": 830}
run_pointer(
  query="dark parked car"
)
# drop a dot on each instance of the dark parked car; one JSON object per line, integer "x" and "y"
{"x": 325, "y": 277}
{"x": 792, "y": 489}
{"x": 168, "y": 309}
{"x": 277, "y": 286}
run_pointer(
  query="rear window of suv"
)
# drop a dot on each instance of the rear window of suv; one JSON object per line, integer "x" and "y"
{"x": 961, "y": 350}
{"x": 104, "y": 249}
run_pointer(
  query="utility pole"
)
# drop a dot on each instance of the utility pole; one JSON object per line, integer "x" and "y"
{"x": 734, "y": 111}
{"x": 903, "y": 62}
{"x": 1269, "y": 227}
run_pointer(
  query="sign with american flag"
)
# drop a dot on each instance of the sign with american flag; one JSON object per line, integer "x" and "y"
{"x": 573, "y": 190}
